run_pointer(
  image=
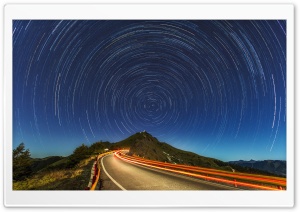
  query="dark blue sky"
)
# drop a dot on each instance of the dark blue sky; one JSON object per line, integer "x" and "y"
{"x": 217, "y": 88}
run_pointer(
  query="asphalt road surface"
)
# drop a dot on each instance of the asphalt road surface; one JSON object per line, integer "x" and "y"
{"x": 117, "y": 174}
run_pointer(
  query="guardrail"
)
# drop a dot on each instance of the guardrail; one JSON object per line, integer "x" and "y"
{"x": 95, "y": 171}
{"x": 235, "y": 179}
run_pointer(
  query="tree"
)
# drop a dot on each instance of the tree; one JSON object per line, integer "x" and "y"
{"x": 21, "y": 163}
{"x": 79, "y": 154}
{"x": 97, "y": 147}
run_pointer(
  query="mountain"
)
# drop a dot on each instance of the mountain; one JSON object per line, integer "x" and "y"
{"x": 144, "y": 145}
{"x": 41, "y": 163}
{"x": 277, "y": 167}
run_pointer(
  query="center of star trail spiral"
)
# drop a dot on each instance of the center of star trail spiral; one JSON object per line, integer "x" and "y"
{"x": 214, "y": 87}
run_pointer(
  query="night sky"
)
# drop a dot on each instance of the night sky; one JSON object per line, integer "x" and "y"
{"x": 217, "y": 88}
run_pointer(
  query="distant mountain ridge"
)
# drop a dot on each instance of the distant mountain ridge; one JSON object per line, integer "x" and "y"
{"x": 144, "y": 145}
{"x": 277, "y": 167}
{"x": 40, "y": 163}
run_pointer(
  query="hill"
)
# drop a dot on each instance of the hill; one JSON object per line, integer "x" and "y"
{"x": 41, "y": 163}
{"x": 72, "y": 172}
{"x": 144, "y": 145}
{"x": 140, "y": 144}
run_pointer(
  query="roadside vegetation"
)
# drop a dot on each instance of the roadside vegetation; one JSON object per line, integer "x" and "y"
{"x": 54, "y": 172}
{"x": 73, "y": 172}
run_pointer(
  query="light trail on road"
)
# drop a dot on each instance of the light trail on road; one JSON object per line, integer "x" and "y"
{"x": 189, "y": 171}
{"x": 136, "y": 177}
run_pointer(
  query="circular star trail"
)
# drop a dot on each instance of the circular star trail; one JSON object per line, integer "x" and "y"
{"x": 217, "y": 88}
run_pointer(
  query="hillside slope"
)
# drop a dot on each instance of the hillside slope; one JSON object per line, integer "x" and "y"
{"x": 41, "y": 163}
{"x": 144, "y": 145}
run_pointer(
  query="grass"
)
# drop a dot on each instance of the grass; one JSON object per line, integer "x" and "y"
{"x": 64, "y": 179}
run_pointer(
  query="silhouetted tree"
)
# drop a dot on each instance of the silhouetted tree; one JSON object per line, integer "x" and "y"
{"x": 21, "y": 163}
{"x": 79, "y": 154}
{"x": 97, "y": 147}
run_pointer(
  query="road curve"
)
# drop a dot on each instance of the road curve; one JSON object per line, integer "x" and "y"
{"x": 117, "y": 174}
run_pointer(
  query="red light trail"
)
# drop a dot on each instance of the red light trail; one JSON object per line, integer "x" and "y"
{"x": 262, "y": 182}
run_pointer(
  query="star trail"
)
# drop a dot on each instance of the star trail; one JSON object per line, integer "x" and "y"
{"x": 217, "y": 88}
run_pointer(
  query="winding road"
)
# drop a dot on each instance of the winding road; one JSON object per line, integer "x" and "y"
{"x": 117, "y": 174}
